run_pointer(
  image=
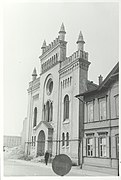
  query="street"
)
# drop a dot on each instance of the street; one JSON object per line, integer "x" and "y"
{"x": 23, "y": 168}
{"x": 14, "y": 167}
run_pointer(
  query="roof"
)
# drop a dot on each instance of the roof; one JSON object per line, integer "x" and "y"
{"x": 34, "y": 72}
{"x": 80, "y": 38}
{"x": 91, "y": 87}
{"x": 47, "y": 124}
{"x": 113, "y": 72}
{"x": 44, "y": 44}
{"x": 62, "y": 29}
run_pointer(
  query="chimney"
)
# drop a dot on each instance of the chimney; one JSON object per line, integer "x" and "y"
{"x": 100, "y": 79}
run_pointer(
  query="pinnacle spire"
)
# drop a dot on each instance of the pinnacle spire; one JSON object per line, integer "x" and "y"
{"x": 34, "y": 72}
{"x": 62, "y": 29}
{"x": 80, "y": 38}
{"x": 44, "y": 44}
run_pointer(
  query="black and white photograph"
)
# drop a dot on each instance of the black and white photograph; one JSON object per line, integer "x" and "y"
{"x": 60, "y": 89}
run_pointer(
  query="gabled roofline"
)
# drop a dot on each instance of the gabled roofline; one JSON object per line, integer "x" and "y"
{"x": 108, "y": 76}
{"x": 102, "y": 85}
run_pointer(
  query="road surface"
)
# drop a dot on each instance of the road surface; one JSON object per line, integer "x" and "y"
{"x": 25, "y": 168}
{"x": 14, "y": 167}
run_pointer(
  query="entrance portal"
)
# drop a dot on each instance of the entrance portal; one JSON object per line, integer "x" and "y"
{"x": 41, "y": 143}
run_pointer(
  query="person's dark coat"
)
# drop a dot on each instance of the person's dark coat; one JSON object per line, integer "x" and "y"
{"x": 46, "y": 157}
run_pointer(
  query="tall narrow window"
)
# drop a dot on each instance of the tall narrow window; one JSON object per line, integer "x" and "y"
{"x": 44, "y": 110}
{"x": 67, "y": 139}
{"x": 51, "y": 111}
{"x": 52, "y": 60}
{"x": 90, "y": 146}
{"x": 117, "y": 105}
{"x": 56, "y": 57}
{"x": 34, "y": 140}
{"x": 47, "y": 111}
{"x": 66, "y": 107}
{"x": 63, "y": 139}
{"x": 117, "y": 146}
{"x": 90, "y": 110}
{"x": 35, "y": 117}
{"x": 102, "y": 108}
{"x": 102, "y": 146}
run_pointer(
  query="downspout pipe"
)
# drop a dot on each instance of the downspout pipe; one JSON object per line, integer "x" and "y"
{"x": 80, "y": 147}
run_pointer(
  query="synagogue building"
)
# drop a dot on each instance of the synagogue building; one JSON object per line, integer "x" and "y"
{"x": 63, "y": 115}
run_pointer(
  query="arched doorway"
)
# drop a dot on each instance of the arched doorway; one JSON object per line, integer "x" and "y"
{"x": 41, "y": 143}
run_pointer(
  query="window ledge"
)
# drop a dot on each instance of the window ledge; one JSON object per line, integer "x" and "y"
{"x": 66, "y": 121}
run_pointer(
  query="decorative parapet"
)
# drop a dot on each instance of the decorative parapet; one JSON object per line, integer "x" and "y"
{"x": 33, "y": 85}
{"x": 52, "y": 61}
{"x": 50, "y": 46}
{"x": 78, "y": 54}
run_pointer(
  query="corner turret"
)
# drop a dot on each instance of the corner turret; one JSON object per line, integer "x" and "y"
{"x": 80, "y": 42}
{"x": 43, "y": 46}
{"x": 62, "y": 33}
{"x": 34, "y": 74}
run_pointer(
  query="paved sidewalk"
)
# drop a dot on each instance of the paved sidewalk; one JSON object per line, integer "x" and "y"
{"x": 74, "y": 170}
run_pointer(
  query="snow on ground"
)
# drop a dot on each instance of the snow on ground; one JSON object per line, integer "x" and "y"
{"x": 18, "y": 153}
{"x": 13, "y": 153}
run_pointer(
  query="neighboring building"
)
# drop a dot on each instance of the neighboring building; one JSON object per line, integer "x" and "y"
{"x": 12, "y": 141}
{"x": 53, "y": 111}
{"x": 23, "y": 133}
{"x": 101, "y": 125}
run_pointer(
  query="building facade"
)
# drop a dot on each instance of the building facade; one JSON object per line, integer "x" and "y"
{"x": 53, "y": 119}
{"x": 23, "y": 133}
{"x": 101, "y": 125}
{"x": 12, "y": 141}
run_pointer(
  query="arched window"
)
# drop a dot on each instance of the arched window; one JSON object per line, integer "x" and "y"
{"x": 44, "y": 110}
{"x": 66, "y": 107}
{"x": 56, "y": 57}
{"x": 52, "y": 60}
{"x": 35, "y": 117}
{"x": 49, "y": 86}
{"x": 63, "y": 139}
{"x": 67, "y": 139}
{"x": 49, "y": 111}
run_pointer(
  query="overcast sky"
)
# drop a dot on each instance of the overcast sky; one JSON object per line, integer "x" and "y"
{"x": 26, "y": 25}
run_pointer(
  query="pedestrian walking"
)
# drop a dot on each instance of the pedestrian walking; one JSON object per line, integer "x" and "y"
{"x": 46, "y": 157}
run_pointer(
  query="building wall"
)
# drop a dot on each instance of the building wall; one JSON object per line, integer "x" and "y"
{"x": 23, "y": 133}
{"x": 12, "y": 141}
{"x": 69, "y": 75}
{"x": 110, "y": 126}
